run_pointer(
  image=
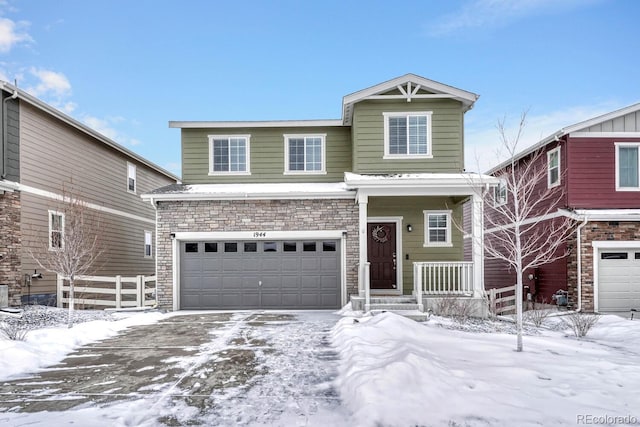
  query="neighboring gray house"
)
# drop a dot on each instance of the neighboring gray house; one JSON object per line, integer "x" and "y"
{"x": 43, "y": 151}
{"x": 314, "y": 213}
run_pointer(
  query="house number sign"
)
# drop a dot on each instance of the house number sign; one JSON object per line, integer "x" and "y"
{"x": 380, "y": 234}
{"x": 260, "y": 234}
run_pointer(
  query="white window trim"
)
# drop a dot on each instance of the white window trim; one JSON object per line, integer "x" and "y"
{"x": 428, "y": 155}
{"x": 617, "y": 165}
{"x": 323, "y": 138}
{"x": 549, "y": 154}
{"x": 132, "y": 167}
{"x": 427, "y": 243}
{"x": 247, "y": 159}
{"x": 502, "y": 184}
{"x": 61, "y": 214}
{"x": 150, "y": 234}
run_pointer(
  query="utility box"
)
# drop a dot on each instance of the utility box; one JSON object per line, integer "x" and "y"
{"x": 4, "y": 296}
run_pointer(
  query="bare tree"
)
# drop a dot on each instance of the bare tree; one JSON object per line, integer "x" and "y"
{"x": 73, "y": 247}
{"x": 523, "y": 225}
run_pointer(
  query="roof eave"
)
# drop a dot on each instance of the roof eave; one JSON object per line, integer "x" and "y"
{"x": 254, "y": 124}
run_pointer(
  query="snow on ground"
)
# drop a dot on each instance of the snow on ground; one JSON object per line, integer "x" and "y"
{"x": 396, "y": 372}
{"x": 50, "y": 340}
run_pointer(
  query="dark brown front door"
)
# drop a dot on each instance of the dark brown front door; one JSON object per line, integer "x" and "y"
{"x": 381, "y": 252}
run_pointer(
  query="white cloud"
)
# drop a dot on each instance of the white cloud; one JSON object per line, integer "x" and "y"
{"x": 496, "y": 13}
{"x": 49, "y": 82}
{"x": 13, "y": 33}
{"x": 107, "y": 127}
{"x": 483, "y": 147}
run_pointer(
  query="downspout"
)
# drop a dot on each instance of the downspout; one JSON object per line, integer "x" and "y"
{"x": 579, "y": 261}
{"x": 5, "y": 132}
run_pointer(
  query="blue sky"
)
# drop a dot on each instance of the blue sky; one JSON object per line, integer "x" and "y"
{"x": 127, "y": 67}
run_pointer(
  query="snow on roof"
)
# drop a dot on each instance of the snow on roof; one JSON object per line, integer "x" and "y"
{"x": 353, "y": 179}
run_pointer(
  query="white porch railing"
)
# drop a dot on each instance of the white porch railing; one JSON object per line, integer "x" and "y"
{"x": 443, "y": 278}
{"x": 109, "y": 291}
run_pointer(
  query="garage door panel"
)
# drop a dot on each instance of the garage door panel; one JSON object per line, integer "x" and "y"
{"x": 275, "y": 274}
{"x": 618, "y": 280}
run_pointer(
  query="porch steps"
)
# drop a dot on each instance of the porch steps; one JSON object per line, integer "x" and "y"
{"x": 416, "y": 315}
{"x": 406, "y": 306}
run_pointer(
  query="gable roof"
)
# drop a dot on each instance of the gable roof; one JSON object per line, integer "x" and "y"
{"x": 410, "y": 86}
{"x": 41, "y": 105}
{"x": 568, "y": 130}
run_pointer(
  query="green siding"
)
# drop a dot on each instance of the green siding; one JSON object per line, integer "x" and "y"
{"x": 267, "y": 155}
{"x": 411, "y": 209}
{"x": 447, "y": 137}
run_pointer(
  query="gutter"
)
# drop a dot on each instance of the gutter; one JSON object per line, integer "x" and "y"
{"x": 5, "y": 132}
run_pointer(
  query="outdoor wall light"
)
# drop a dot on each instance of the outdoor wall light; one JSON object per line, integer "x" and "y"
{"x": 36, "y": 275}
{"x": 531, "y": 276}
{"x": 409, "y": 228}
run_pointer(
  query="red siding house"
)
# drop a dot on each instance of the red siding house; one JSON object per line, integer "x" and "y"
{"x": 595, "y": 164}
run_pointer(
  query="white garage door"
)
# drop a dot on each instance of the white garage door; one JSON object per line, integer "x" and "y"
{"x": 619, "y": 280}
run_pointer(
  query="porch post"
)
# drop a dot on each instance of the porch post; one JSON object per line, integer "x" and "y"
{"x": 477, "y": 241}
{"x": 363, "y": 281}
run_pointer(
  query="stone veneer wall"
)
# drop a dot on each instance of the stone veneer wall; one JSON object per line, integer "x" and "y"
{"x": 10, "y": 245}
{"x": 595, "y": 231}
{"x": 252, "y": 215}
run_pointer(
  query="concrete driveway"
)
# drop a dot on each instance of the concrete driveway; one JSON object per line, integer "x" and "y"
{"x": 243, "y": 368}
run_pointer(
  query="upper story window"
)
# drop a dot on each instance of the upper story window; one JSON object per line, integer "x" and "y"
{"x": 229, "y": 154}
{"x": 131, "y": 178}
{"x": 627, "y": 166}
{"x": 56, "y": 230}
{"x": 147, "y": 244}
{"x": 304, "y": 154}
{"x": 437, "y": 228}
{"x": 553, "y": 167}
{"x": 407, "y": 135}
{"x": 500, "y": 193}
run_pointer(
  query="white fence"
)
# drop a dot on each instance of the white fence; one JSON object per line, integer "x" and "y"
{"x": 443, "y": 278}
{"x": 109, "y": 291}
{"x": 502, "y": 300}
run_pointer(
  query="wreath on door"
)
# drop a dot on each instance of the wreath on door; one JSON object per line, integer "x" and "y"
{"x": 380, "y": 234}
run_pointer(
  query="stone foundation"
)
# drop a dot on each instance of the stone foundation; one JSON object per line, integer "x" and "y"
{"x": 252, "y": 215}
{"x": 10, "y": 243}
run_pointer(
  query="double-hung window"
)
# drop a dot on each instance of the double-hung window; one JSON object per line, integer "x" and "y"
{"x": 407, "y": 135}
{"x": 500, "y": 193}
{"x": 148, "y": 251}
{"x": 229, "y": 154}
{"x": 56, "y": 231}
{"x": 131, "y": 177}
{"x": 553, "y": 167}
{"x": 304, "y": 154}
{"x": 627, "y": 166}
{"x": 437, "y": 226}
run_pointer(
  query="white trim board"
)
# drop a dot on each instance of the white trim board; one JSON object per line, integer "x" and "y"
{"x": 58, "y": 197}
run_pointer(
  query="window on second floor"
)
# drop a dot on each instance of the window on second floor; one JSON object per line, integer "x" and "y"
{"x": 229, "y": 155}
{"x": 131, "y": 177}
{"x": 407, "y": 135}
{"x": 500, "y": 193}
{"x": 627, "y": 166}
{"x": 437, "y": 228}
{"x": 553, "y": 167}
{"x": 56, "y": 230}
{"x": 304, "y": 154}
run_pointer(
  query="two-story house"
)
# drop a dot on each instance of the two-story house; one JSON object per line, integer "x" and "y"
{"x": 46, "y": 154}
{"x": 308, "y": 213}
{"x": 595, "y": 167}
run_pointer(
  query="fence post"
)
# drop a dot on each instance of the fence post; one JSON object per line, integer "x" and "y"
{"x": 492, "y": 301}
{"x": 118, "y": 292}
{"x": 59, "y": 285}
{"x": 140, "y": 291}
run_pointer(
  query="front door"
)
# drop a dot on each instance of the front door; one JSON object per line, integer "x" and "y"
{"x": 381, "y": 253}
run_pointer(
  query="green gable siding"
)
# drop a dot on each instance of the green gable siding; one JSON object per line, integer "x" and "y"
{"x": 267, "y": 155}
{"x": 447, "y": 137}
{"x": 411, "y": 209}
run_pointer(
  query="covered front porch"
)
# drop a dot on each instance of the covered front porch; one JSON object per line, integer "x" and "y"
{"x": 411, "y": 242}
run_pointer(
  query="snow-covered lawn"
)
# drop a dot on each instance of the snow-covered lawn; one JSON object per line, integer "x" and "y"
{"x": 396, "y": 372}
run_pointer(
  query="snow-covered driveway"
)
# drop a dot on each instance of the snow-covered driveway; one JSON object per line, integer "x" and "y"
{"x": 244, "y": 368}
